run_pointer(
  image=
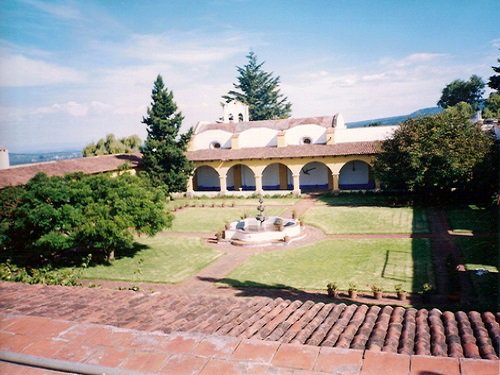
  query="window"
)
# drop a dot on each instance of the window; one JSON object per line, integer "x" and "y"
{"x": 231, "y": 117}
{"x": 215, "y": 145}
{"x": 240, "y": 117}
{"x": 306, "y": 141}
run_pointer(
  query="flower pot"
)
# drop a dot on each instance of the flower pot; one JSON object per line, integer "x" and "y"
{"x": 401, "y": 296}
{"x": 377, "y": 295}
{"x": 353, "y": 294}
{"x": 333, "y": 293}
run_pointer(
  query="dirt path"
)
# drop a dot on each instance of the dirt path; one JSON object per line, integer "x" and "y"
{"x": 445, "y": 252}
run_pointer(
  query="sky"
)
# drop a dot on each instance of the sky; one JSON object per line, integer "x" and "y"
{"x": 73, "y": 71}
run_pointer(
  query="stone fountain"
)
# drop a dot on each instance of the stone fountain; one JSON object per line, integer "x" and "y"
{"x": 262, "y": 230}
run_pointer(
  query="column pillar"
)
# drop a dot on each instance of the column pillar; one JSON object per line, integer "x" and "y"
{"x": 377, "y": 185}
{"x": 190, "y": 190}
{"x": 296, "y": 184}
{"x": 223, "y": 185}
{"x": 335, "y": 177}
{"x": 258, "y": 184}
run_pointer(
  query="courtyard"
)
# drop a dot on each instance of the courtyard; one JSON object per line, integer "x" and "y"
{"x": 353, "y": 240}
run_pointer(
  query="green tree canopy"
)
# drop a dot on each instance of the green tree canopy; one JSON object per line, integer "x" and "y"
{"x": 470, "y": 91}
{"x": 260, "y": 91}
{"x": 435, "y": 154}
{"x": 492, "y": 106}
{"x": 111, "y": 145}
{"x": 494, "y": 81}
{"x": 164, "y": 158}
{"x": 52, "y": 217}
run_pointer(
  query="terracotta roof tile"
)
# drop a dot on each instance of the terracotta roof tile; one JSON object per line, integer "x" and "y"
{"x": 377, "y": 329}
{"x": 339, "y": 149}
{"x": 15, "y": 176}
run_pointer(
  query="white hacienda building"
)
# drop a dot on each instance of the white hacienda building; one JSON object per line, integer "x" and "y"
{"x": 288, "y": 155}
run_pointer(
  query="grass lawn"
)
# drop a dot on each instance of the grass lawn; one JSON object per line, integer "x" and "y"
{"x": 482, "y": 253}
{"x": 346, "y": 220}
{"x": 210, "y": 220}
{"x": 159, "y": 259}
{"x": 469, "y": 219}
{"x": 229, "y": 201}
{"x": 385, "y": 262}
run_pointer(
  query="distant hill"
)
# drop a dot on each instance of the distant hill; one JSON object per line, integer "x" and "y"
{"x": 394, "y": 120}
{"x": 18, "y": 158}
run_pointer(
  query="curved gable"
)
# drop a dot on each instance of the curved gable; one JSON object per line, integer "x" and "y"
{"x": 258, "y": 137}
{"x": 316, "y": 133}
{"x": 203, "y": 140}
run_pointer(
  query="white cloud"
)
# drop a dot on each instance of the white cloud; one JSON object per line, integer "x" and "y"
{"x": 17, "y": 70}
{"x": 413, "y": 59}
{"x": 73, "y": 109}
{"x": 63, "y": 11}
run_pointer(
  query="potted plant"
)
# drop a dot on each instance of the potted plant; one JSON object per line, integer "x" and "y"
{"x": 401, "y": 292}
{"x": 227, "y": 224}
{"x": 294, "y": 214}
{"x": 426, "y": 292}
{"x": 218, "y": 236}
{"x": 377, "y": 291}
{"x": 353, "y": 290}
{"x": 332, "y": 289}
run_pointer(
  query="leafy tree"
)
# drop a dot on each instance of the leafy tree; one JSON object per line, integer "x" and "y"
{"x": 164, "y": 158}
{"x": 461, "y": 109}
{"x": 492, "y": 106}
{"x": 470, "y": 91}
{"x": 494, "y": 81}
{"x": 260, "y": 91}
{"x": 53, "y": 217}
{"x": 434, "y": 155}
{"x": 111, "y": 145}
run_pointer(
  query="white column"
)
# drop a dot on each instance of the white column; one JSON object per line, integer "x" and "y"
{"x": 190, "y": 190}
{"x": 258, "y": 184}
{"x": 223, "y": 184}
{"x": 296, "y": 184}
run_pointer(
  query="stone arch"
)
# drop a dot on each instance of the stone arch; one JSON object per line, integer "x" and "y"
{"x": 206, "y": 178}
{"x": 315, "y": 176}
{"x": 356, "y": 175}
{"x": 277, "y": 176}
{"x": 240, "y": 177}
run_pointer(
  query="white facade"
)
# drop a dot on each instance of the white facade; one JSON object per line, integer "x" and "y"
{"x": 235, "y": 112}
{"x": 4, "y": 158}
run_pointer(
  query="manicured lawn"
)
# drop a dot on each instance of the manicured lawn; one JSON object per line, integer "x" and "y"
{"x": 386, "y": 262}
{"x": 344, "y": 220}
{"x": 210, "y": 220}
{"x": 482, "y": 253}
{"x": 469, "y": 219}
{"x": 160, "y": 259}
{"x": 231, "y": 201}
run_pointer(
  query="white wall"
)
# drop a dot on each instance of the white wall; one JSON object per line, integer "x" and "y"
{"x": 295, "y": 135}
{"x": 359, "y": 176}
{"x": 207, "y": 176}
{"x": 318, "y": 174}
{"x": 258, "y": 137}
{"x": 203, "y": 140}
{"x": 373, "y": 133}
{"x": 247, "y": 176}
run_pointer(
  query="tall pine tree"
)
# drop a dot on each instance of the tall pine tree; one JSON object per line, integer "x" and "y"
{"x": 164, "y": 158}
{"x": 260, "y": 91}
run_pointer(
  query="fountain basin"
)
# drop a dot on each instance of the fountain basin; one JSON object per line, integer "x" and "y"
{"x": 251, "y": 232}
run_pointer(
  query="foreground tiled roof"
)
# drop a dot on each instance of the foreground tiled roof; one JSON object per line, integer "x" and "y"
{"x": 283, "y": 124}
{"x": 97, "y": 164}
{"x": 387, "y": 329}
{"x": 340, "y": 149}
